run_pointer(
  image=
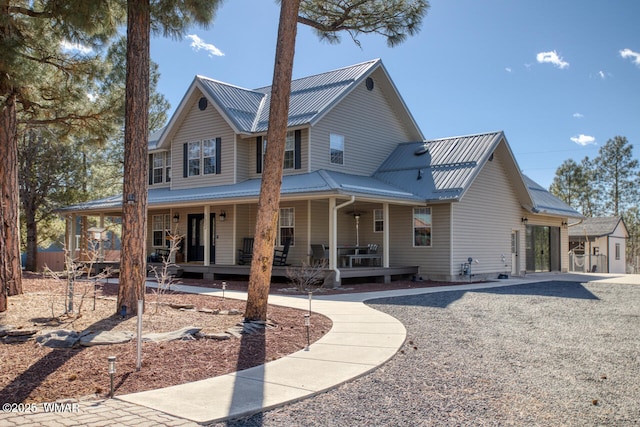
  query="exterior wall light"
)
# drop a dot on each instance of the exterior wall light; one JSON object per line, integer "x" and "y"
{"x": 176, "y": 218}
{"x": 524, "y": 219}
{"x": 223, "y": 216}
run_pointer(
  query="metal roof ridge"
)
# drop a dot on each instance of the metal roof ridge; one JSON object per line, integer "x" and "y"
{"x": 371, "y": 62}
{"x": 472, "y": 135}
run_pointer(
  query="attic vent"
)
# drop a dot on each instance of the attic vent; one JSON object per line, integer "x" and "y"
{"x": 202, "y": 103}
{"x": 369, "y": 83}
{"x": 421, "y": 150}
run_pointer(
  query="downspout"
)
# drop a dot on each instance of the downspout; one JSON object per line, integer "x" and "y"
{"x": 333, "y": 258}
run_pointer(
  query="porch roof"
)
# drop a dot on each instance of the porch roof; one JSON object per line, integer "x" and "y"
{"x": 312, "y": 184}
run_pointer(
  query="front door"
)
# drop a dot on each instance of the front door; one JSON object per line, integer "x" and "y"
{"x": 196, "y": 238}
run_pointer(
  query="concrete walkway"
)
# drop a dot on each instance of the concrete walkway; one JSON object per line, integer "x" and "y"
{"x": 360, "y": 340}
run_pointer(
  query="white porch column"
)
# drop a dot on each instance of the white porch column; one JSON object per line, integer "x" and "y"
{"x": 72, "y": 237}
{"x": 385, "y": 235}
{"x": 102, "y": 236}
{"x": 207, "y": 234}
{"x": 333, "y": 234}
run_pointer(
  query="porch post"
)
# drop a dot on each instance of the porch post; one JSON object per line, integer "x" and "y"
{"x": 72, "y": 238}
{"x": 207, "y": 234}
{"x": 102, "y": 236}
{"x": 385, "y": 235}
{"x": 333, "y": 234}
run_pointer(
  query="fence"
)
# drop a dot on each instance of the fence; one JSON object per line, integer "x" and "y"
{"x": 588, "y": 263}
{"x": 55, "y": 260}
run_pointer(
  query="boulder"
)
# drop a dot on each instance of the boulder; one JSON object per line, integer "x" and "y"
{"x": 61, "y": 338}
{"x": 181, "y": 334}
{"x": 105, "y": 338}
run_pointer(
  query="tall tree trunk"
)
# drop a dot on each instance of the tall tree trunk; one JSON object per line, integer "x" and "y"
{"x": 10, "y": 269}
{"x": 134, "y": 204}
{"x": 269, "y": 201}
{"x": 31, "y": 263}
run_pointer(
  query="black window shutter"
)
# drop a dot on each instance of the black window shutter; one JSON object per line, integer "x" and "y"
{"x": 150, "y": 169}
{"x": 258, "y": 154}
{"x": 218, "y": 155}
{"x": 297, "y": 148}
{"x": 185, "y": 160}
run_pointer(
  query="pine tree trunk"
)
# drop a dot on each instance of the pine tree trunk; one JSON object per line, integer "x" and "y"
{"x": 10, "y": 269}
{"x": 134, "y": 204}
{"x": 269, "y": 201}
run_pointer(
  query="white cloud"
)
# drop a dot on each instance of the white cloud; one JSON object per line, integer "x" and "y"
{"x": 198, "y": 44}
{"x": 578, "y": 115}
{"x": 68, "y": 46}
{"x": 628, "y": 53}
{"x": 583, "y": 139}
{"x": 602, "y": 75}
{"x": 552, "y": 58}
{"x": 508, "y": 69}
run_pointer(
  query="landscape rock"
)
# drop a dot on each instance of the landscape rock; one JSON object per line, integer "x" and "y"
{"x": 4, "y": 329}
{"x": 180, "y": 334}
{"x": 105, "y": 338}
{"x": 181, "y": 306}
{"x": 220, "y": 336}
{"x": 61, "y": 338}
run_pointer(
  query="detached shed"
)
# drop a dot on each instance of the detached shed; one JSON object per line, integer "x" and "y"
{"x": 598, "y": 245}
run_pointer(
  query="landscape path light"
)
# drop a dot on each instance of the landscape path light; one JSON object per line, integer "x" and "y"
{"x": 112, "y": 372}
{"x": 307, "y": 324}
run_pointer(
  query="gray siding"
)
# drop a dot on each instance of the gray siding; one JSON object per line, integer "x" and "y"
{"x": 484, "y": 219}
{"x": 433, "y": 261}
{"x": 370, "y": 127}
{"x": 195, "y": 126}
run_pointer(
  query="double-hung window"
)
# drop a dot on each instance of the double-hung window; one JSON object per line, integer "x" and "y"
{"x": 195, "y": 151}
{"x": 378, "y": 221}
{"x": 422, "y": 227}
{"x": 209, "y": 156}
{"x": 160, "y": 227}
{"x": 159, "y": 168}
{"x": 286, "y": 226}
{"x": 289, "y": 151}
{"x": 202, "y": 157}
{"x": 336, "y": 143}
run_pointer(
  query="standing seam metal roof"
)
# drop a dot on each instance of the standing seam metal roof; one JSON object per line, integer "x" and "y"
{"x": 248, "y": 109}
{"x": 444, "y": 171}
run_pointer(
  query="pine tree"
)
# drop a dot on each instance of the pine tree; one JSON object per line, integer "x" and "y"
{"x": 394, "y": 19}
{"x": 172, "y": 19}
{"x": 616, "y": 172}
{"x": 31, "y": 34}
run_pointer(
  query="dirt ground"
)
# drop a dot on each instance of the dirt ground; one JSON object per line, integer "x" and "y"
{"x": 32, "y": 373}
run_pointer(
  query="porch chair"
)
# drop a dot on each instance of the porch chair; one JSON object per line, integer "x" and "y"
{"x": 280, "y": 256}
{"x": 246, "y": 253}
{"x": 319, "y": 254}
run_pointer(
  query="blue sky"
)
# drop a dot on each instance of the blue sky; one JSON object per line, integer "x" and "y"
{"x": 559, "y": 77}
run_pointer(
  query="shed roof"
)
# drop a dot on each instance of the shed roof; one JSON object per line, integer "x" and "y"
{"x": 594, "y": 227}
{"x": 546, "y": 203}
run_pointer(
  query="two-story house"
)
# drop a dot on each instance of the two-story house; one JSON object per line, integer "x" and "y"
{"x": 357, "y": 172}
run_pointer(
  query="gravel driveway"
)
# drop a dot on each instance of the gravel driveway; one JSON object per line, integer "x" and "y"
{"x": 548, "y": 354}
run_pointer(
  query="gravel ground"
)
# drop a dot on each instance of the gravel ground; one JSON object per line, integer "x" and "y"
{"x": 545, "y": 354}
